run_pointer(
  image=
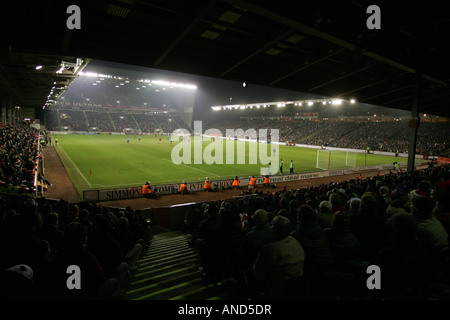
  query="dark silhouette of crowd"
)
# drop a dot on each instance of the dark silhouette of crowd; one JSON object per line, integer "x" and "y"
{"x": 317, "y": 242}
{"x": 313, "y": 242}
{"x": 41, "y": 238}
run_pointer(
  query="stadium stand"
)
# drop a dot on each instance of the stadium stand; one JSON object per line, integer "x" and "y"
{"x": 389, "y": 136}
{"x": 18, "y": 158}
{"x": 86, "y": 120}
{"x": 408, "y": 208}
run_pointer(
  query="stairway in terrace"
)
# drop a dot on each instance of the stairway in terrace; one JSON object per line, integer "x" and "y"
{"x": 170, "y": 269}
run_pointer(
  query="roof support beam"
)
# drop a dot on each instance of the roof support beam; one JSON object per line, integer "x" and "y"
{"x": 388, "y": 92}
{"x": 185, "y": 32}
{"x": 277, "y": 39}
{"x": 364, "y": 87}
{"x": 307, "y": 66}
{"x": 345, "y": 76}
{"x": 325, "y": 36}
{"x": 443, "y": 96}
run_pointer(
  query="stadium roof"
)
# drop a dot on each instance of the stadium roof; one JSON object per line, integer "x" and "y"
{"x": 320, "y": 47}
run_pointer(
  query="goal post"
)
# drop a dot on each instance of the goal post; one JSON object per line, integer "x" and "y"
{"x": 335, "y": 159}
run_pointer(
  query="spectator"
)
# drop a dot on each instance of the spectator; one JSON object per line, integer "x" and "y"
{"x": 259, "y": 234}
{"x": 93, "y": 282}
{"x": 279, "y": 261}
{"x": 430, "y": 231}
{"x": 336, "y": 203}
{"x": 107, "y": 250}
{"x": 131, "y": 249}
{"x": 325, "y": 215}
{"x": 368, "y": 227}
{"x": 405, "y": 263}
{"x": 344, "y": 245}
{"x": 50, "y": 231}
{"x": 219, "y": 252}
{"x": 313, "y": 240}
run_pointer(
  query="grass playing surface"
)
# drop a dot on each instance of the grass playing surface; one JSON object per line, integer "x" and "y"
{"x": 108, "y": 161}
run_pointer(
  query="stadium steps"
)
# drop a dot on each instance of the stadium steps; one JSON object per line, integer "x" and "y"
{"x": 137, "y": 124}
{"x": 112, "y": 121}
{"x": 86, "y": 120}
{"x": 170, "y": 269}
{"x": 155, "y": 121}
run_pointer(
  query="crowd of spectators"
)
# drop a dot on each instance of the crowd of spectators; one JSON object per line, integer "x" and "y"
{"x": 146, "y": 122}
{"x": 123, "y": 121}
{"x": 18, "y": 156}
{"x": 41, "y": 238}
{"x": 100, "y": 120}
{"x": 74, "y": 120}
{"x": 318, "y": 242}
{"x": 87, "y": 120}
{"x": 390, "y": 136}
{"x": 308, "y": 242}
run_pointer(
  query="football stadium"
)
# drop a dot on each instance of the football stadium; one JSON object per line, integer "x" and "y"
{"x": 225, "y": 151}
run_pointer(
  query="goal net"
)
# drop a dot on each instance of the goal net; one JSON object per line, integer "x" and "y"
{"x": 335, "y": 159}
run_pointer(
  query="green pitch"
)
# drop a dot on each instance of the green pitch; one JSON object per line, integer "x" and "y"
{"x": 109, "y": 161}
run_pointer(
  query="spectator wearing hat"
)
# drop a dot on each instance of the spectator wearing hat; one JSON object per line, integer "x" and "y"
{"x": 279, "y": 261}
{"x": 16, "y": 283}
